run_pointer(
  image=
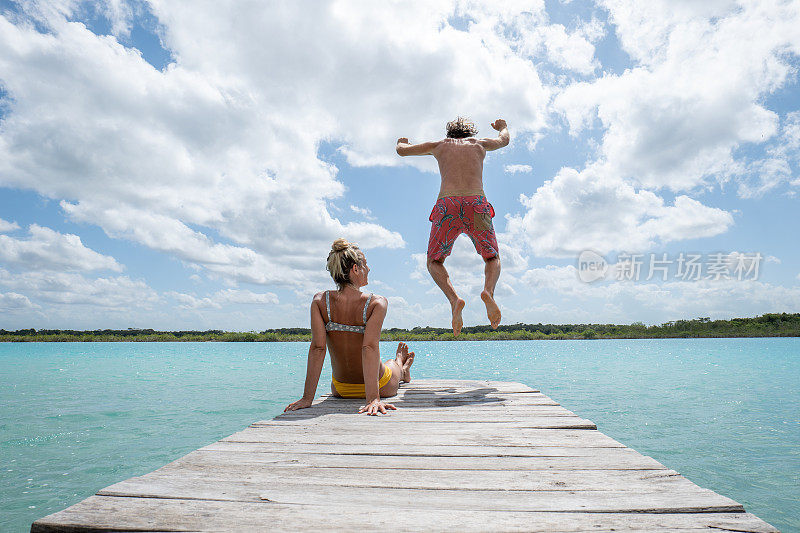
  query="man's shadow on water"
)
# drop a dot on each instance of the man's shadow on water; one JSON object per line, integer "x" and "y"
{"x": 416, "y": 398}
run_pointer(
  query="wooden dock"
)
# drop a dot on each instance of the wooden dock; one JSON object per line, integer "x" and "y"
{"x": 456, "y": 456}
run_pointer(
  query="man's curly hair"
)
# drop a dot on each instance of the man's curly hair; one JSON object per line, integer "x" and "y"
{"x": 460, "y": 128}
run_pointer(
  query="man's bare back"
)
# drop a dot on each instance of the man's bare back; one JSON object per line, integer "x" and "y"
{"x": 460, "y": 160}
{"x": 460, "y": 157}
{"x": 460, "y": 165}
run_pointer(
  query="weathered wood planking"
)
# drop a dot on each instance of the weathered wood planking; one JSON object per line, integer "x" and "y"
{"x": 426, "y": 462}
{"x": 567, "y": 480}
{"x": 465, "y": 455}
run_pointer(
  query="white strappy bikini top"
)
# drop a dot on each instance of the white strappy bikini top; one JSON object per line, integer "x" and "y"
{"x": 334, "y": 326}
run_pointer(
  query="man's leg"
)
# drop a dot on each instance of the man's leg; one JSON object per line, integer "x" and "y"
{"x": 442, "y": 279}
{"x": 492, "y": 274}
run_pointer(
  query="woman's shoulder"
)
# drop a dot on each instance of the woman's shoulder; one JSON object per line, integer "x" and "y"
{"x": 319, "y": 297}
{"x": 376, "y": 300}
{"x": 376, "y": 303}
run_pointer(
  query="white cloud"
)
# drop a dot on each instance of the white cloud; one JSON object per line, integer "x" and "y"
{"x": 765, "y": 174}
{"x": 790, "y": 135}
{"x": 572, "y": 51}
{"x": 178, "y": 154}
{"x": 515, "y": 169}
{"x": 674, "y": 120}
{"x": 401, "y": 314}
{"x": 120, "y": 14}
{"x": 190, "y": 301}
{"x": 533, "y": 36}
{"x": 668, "y": 300}
{"x": 12, "y": 301}
{"x": 383, "y": 286}
{"x": 687, "y": 219}
{"x": 363, "y": 211}
{"x": 695, "y": 93}
{"x": 592, "y": 210}
{"x": 6, "y": 226}
{"x": 223, "y": 298}
{"x": 46, "y": 249}
{"x": 550, "y": 313}
{"x": 240, "y": 296}
{"x": 60, "y": 288}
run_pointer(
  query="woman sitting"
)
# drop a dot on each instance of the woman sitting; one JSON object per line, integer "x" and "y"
{"x": 349, "y": 322}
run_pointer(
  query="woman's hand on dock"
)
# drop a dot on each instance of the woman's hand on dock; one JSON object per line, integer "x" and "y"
{"x": 376, "y": 406}
{"x": 302, "y": 403}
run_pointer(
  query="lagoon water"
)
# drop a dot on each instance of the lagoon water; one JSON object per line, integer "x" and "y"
{"x": 77, "y": 417}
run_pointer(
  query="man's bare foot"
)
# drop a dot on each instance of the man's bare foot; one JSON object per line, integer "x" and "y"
{"x": 492, "y": 310}
{"x": 458, "y": 322}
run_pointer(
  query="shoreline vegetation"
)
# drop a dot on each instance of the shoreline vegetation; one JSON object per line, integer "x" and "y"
{"x": 768, "y": 325}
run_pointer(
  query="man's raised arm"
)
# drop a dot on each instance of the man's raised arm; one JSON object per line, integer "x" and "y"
{"x": 406, "y": 148}
{"x": 501, "y": 140}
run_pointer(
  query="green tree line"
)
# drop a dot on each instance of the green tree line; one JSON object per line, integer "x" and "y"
{"x": 768, "y": 325}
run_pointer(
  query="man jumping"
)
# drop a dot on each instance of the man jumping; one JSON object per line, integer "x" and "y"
{"x": 462, "y": 208}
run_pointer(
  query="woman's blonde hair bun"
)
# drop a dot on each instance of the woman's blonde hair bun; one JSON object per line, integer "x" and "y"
{"x": 341, "y": 259}
{"x": 339, "y": 245}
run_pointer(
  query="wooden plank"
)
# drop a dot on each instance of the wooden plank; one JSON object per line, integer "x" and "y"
{"x": 447, "y": 397}
{"x": 378, "y": 451}
{"x": 261, "y": 459}
{"x": 432, "y": 414}
{"x": 364, "y": 423}
{"x": 154, "y": 514}
{"x": 420, "y": 387}
{"x": 334, "y": 404}
{"x": 688, "y": 499}
{"x": 456, "y": 437}
{"x": 538, "y": 480}
{"x": 470, "y": 384}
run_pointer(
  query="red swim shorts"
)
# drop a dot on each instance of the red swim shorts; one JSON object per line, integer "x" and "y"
{"x": 454, "y": 215}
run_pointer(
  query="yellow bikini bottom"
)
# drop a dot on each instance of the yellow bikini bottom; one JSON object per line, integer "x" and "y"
{"x": 356, "y": 390}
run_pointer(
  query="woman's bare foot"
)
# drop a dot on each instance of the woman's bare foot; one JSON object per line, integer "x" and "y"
{"x": 404, "y": 360}
{"x": 402, "y": 353}
{"x": 492, "y": 309}
{"x": 407, "y": 367}
{"x": 458, "y": 322}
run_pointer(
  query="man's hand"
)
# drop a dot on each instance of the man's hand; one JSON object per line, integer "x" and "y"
{"x": 376, "y": 406}
{"x": 302, "y": 403}
{"x": 402, "y": 140}
{"x": 499, "y": 124}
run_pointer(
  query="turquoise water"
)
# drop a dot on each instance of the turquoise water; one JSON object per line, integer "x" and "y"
{"x": 77, "y": 417}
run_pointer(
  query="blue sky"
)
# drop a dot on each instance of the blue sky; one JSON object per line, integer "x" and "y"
{"x": 186, "y": 166}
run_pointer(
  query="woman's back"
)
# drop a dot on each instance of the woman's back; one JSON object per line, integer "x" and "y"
{"x": 345, "y": 314}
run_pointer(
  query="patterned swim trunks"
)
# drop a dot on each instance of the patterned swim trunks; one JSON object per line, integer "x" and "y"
{"x": 454, "y": 215}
